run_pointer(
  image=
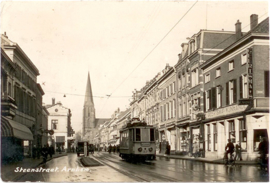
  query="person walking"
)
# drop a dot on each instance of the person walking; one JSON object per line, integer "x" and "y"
{"x": 238, "y": 154}
{"x": 44, "y": 153}
{"x": 229, "y": 149}
{"x": 34, "y": 154}
{"x": 263, "y": 150}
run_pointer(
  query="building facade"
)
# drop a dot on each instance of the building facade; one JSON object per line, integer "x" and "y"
{"x": 236, "y": 90}
{"x": 21, "y": 96}
{"x": 59, "y": 121}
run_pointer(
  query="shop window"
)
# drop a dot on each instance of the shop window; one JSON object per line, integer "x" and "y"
{"x": 258, "y": 135}
{"x": 232, "y": 130}
{"x": 243, "y": 134}
{"x": 215, "y": 137}
{"x": 208, "y": 138}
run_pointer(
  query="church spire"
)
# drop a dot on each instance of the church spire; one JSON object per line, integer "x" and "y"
{"x": 88, "y": 94}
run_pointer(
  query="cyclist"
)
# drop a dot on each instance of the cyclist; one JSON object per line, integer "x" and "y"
{"x": 229, "y": 149}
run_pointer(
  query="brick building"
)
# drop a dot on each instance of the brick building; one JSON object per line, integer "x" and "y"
{"x": 236, "y": 90}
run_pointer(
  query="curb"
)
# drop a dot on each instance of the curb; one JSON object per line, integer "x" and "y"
{"x": 89, "y": 162}
{"x": 206, "y": 161}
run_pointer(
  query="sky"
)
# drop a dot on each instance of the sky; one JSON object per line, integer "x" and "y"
{"x": 122, "y": 44}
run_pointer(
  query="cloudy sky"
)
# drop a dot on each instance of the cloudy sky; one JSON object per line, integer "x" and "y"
{"x": 122, "y": 44}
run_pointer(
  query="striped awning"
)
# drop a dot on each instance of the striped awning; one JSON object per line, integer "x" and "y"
{"x": 10, "y": 128}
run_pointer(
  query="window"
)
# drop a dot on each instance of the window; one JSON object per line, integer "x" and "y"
{"x": 54, "y": 124}
{"x": 173, "y": 87}
{"x": 152, "y": 135}
{"x": 180, "y": 110}
{"x": 183, "y": 81}
{"x": 231, "y": 92}
{"x": 232, "y": 131}
{"x": 161, "y": 113}
{"x": 170, "y": 90}
{"x": 243, "y": 58}
{"x": 207, "y": 78}
{"x": 218, "y": 72}
{"x": 219, "y": 96}
{"x": 184, "y": 108}
{"x": 138, "y": 134}
{"x": 231, "y": 65}
{"x": 168, "y": 111}
{"x": 174, "y": 108}
{"x": 243, "y": 134}
{"x": 179, "y": 83}
{"x": 167, "y": 92}
{"x": 195, "y": 77}
{"x": 215, "y": 137}
{"x": 243, "y": 82}
{"x": 208, "y": 137}
{"x": 208, "y": 94}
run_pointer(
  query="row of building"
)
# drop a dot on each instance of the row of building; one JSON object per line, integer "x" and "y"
{"x": 25, "y": 121}
{"x": 217, "y": 90}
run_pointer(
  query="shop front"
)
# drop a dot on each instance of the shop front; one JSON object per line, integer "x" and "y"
{"x": 16, "y": 139}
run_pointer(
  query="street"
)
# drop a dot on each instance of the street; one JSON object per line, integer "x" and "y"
{"x": 115, "y": 169}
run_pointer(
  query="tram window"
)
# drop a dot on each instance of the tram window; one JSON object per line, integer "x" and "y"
{"x": 138, "y": 134}
{"x": 152, "y": 136}
{"x": 145, "y": 135}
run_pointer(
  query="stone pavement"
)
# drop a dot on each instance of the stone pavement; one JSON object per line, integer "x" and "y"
{"x": 8, "y": 170}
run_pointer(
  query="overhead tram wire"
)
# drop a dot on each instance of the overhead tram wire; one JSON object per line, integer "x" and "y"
{"x": 155, "y": 46}
{"x": 151, "y": 51}
{"x": 73, "y": 94}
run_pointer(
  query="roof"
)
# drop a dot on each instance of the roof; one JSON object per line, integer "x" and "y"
{"x": 100, "y": 121}
{"x": 261, "y": 28}
{"x": 7, "y": 43}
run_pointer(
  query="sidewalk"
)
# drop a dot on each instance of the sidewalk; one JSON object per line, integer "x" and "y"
{"x": 207, "y": 160}
{"x": 8, "y": 171}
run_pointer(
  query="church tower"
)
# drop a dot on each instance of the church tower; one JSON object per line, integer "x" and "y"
{"x": 88, "y": 111}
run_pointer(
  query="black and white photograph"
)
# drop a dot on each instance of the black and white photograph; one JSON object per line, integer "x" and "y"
{"x": 134, "y": 91}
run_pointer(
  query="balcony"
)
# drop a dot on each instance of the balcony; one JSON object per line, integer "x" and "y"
{"x": 8, "y": 106}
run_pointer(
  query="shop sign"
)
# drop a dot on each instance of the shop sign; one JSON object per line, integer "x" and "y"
{"x": 244, "y": 101}
{"x": 225, "y": 111}
{"x": 250, "y": 73}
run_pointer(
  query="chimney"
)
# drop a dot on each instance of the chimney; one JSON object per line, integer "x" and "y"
{"x": 253, "y": 21}
{"x": 53, "y": 101}
{"x": 238, "y": 31}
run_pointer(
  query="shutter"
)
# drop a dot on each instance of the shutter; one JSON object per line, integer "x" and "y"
{"x": 204, "y": 102}
{"x": 210, "y": 98}
{"x": 199, "y": 103}
{"x": 234, "y": 91}
{"x": 214, "y": 98}
{"x": 266, "y": 83}
{"x": 241, "y": 87}
{"x": 227, "y": 93}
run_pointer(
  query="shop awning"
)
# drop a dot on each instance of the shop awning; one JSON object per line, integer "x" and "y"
{"x": 12, "y": 128}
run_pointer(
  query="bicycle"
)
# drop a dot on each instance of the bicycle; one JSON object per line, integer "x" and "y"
{"x": 229, "y": 161}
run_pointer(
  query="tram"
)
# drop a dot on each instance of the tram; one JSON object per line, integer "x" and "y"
{"x": 137, "y": 141}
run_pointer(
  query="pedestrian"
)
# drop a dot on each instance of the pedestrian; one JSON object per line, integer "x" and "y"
{"x": 168, "y": 148}
{"x": 59, "y": 149}
{"x": 51, "y": 151}
{"x": 44, "y": 153}
{"x": 34, "y": 154}
{"x": 263, "y": 149}
{"x": 229, "y": 148}
{"x": 114, "y": 148}
{"x": 238, "y": 154}
{"x": 110, "y": 148}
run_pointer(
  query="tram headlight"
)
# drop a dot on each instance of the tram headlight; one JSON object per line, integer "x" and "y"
{"x": 140, "y": 149}
{"x": 150, "y": 149}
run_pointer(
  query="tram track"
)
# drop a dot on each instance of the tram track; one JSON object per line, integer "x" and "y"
{"x": 141, "y": 174}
